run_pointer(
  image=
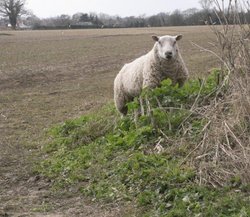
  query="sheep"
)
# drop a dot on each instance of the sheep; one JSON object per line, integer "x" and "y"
{"x": 162, "y": 62}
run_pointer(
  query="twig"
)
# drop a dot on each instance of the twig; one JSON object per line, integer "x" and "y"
{"x": 4, "y": 116}
{"x": 216, "y": 156}
{"x": 200, "y": 144}
{"x": 166, "y": 137}
{"x": 237, "y": 140}
{"x": 202, "y": 156}
{"x": 198, "y": 96}
{"x": 158, "y": 102}
{"x": 226, "y": 78}
{"x": 212, "y": 52}
{"x": 158, "y": 146}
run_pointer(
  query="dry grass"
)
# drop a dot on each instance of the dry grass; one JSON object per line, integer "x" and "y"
{"x": 224, "y": 151}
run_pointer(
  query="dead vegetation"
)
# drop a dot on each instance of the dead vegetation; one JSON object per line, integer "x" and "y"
{"x": 224, "y": 151}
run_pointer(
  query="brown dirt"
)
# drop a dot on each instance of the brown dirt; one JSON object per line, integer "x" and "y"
{"x": 47, "y": 77}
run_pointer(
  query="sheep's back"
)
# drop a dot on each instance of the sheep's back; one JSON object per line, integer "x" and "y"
{"x": 132, "y": 76}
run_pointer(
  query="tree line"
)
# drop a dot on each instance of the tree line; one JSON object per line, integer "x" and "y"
{"x": 13, "y": 9}
{"x": 188, "y": 17}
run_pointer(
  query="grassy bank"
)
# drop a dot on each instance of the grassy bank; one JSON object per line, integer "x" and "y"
{"x": 153, "y": 162}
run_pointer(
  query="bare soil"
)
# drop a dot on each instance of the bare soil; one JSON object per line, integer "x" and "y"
{"x": 47, "y": 77}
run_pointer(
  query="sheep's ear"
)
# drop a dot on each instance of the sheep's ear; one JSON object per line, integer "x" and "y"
{"x": 155, "y": 38}
{"x": 178, "y": 37}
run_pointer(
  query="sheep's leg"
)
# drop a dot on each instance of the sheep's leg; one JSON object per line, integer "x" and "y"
{"x": 139, "y": 111}
{"x": 181, "y": 81}
{"x": 141, "y": 106}
{"x": 149, "y": 112}
{"x": 120, "y": 103}
{"x": 123, "y": 109}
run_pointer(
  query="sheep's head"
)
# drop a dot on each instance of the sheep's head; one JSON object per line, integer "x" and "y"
{"x": 167, "y": 46}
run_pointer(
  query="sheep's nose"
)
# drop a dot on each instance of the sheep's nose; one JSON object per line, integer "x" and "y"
{"x": 169, "y": 54}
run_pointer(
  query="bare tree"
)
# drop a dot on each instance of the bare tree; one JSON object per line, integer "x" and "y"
{"x": 12, "y": 9}
{"x": 206, "y": 4}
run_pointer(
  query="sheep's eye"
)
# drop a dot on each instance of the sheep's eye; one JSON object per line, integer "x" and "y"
{"x": 174, "y": 42}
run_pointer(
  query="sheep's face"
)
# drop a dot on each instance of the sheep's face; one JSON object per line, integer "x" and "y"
{"x": 167, "y": 46}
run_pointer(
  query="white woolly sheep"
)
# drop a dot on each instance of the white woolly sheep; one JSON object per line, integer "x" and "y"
{"x": 162, "y": 62}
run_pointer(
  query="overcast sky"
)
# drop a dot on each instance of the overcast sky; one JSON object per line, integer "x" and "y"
{"x": 51, "y": 8}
